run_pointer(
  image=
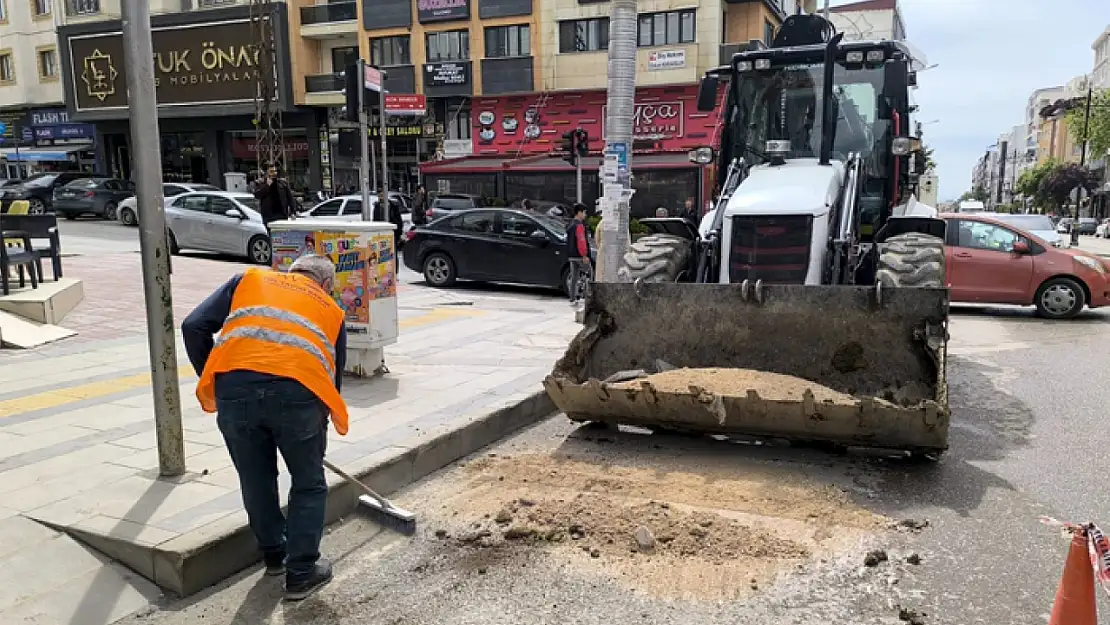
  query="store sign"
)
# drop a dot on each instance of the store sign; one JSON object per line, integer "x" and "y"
{"x": 247, "y": 149}
{"x": 442, "y": 10}
{"x": 456, "y": 148}
{"x": 667, "y": 59}
{"x": 54, "y": 124}
{"x": 446, "y": 74}
{"x": 15, "y": 124}
{"x": 406, "y": 104}
{"x": 207, "y": 63}
{"x": 408, "y": 131}
{"x": 655, "y": 120}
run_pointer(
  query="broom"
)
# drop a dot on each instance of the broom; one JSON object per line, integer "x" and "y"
{"x": 381, "y": 510}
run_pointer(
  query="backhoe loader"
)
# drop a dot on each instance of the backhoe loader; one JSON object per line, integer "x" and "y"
{"x": 815, "y": 262}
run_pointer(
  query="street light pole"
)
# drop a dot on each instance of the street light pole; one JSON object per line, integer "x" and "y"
{"x": 143, "y": 105}
{"x": 1082, "y": 162}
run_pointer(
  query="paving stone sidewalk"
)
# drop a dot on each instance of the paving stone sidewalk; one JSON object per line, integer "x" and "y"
{"x": 77, "y": 441}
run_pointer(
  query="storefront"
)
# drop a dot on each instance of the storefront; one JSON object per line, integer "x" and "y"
{"x": 206, "y": 86}
{"x": 513, "y": 138}
{"x": 410, "y": 140}
{"x": 42, "y": 140}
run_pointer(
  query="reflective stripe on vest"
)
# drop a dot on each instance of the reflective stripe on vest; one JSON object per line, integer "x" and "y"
{"x": 280, "y": 338}
{"x": 278, "y": 314}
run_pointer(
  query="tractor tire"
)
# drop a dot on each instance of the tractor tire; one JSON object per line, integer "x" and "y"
{"x": 656, "y": 258}
{"x": 911, "y": 260}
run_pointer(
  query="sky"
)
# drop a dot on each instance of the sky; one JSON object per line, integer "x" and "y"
{"x": 991, "y": 55}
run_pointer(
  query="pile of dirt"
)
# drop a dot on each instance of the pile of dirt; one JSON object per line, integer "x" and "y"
{"x": 687, "y": 532}
{"x": 736, "y": 383}
{"x": 600, "y": 524}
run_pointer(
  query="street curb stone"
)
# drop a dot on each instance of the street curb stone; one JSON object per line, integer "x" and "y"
{"x": 200, "y": 558}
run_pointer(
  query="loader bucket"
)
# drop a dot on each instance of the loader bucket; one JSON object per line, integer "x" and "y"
{"x": 881, "y": 351}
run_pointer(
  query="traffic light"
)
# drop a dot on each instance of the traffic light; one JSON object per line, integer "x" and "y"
{"x": 582, "y": 139}
{"x": 352, "y": 84}
{"x": 569, "y": 138}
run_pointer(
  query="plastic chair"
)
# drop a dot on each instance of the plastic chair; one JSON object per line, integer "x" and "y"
{"x": 20, "y": 207}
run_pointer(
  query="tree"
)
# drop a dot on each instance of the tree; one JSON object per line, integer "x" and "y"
{"x": 978, "y": 194}
{"x": 1098, "y": 129}
{"x": 1064, "y": 179}
{"x": 1030, "y": 181}
{"x": 930, "y": 163}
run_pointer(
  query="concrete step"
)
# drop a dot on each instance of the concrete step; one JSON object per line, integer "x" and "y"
{"x": 49, "y": 578}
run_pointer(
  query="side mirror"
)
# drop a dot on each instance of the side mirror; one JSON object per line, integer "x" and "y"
{"x": 539, "y": 235}
{"x": 234, "y": 214}
{"x": 1021, "y": 247}
{"x": 707, "y": 93}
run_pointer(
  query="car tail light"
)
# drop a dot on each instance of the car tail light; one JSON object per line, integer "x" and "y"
{"x": 89, "y": 194}
{"x": 428, "y": 213}
{"x": 410, "y": 235}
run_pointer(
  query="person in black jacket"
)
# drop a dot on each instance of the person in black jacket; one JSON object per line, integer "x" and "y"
{"x": 275, "y": 197}
{"x": 398, "y": 222}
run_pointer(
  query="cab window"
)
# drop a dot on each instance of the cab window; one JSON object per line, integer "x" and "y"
{"x": 983, "y": 236}
{"x": 477, "y": 221}
{"x": 518, "y": 225}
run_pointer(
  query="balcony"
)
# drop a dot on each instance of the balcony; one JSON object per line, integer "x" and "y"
{"x": 507, "y": 75}
{"x": 324, "y": 89}
{"x": 328, "y": 21}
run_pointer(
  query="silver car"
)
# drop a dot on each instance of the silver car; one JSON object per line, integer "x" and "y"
{"x": 218, "y": 221}
{"x": 349, "y": 208}
{"x": 1037, "y": 225}
{"x": 128, "y": 213}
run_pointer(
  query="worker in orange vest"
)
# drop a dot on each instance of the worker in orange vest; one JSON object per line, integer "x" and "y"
{"x": 273, "y": 376}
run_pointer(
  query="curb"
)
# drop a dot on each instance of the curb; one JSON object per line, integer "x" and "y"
{"x": 189, "y": 563}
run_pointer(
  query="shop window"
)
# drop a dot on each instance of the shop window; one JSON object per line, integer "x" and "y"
{"x": 7, "y": 66}
{"x": 458, "y": 123}
{"x": 342, "y": 57}
{"x": 40, "y": 8}
{"x": 668, "y": 28}
{"x": 48, "y": 64}
{"x": 387, "y": 51}
{"x": 584, "y": 35}
{"x": 82, "y": 7}
{"x": 508, "y": 41}
{"x": 452, "y": 45}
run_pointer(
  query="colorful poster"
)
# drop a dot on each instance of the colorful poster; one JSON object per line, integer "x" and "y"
{"x": 351, "y": 263}
{"x": 289, "y": 245}
{"x": 382, "y": 274}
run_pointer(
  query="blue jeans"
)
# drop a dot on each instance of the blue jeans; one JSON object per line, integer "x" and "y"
{"x": 259, "y": 416}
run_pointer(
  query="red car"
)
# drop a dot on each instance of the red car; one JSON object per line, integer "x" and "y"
{"x": 990, "y": 262}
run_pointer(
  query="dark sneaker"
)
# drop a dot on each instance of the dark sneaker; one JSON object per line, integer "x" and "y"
{"x": 302, "y": 587}
{"x": 275, "y": 564}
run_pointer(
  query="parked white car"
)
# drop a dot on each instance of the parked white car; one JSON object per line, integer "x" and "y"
{"x": 128, "y": 213}
{"x": 218, "y": 221}
{"x": 1103, "y": 229}
{"x": 349, "y": 208}
{"x": 1039, "y": 225}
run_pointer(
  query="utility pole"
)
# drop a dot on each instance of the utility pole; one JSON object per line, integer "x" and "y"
{"x": 620, "y": 108}
{"x": 826, "y": 9}
{"x": 1082, "y": 162}
{"x": 143, "y": 106}
{"x": 1002, "y": 152}
{"x": 383, "y": 203}
{"x": 364, "y": 168}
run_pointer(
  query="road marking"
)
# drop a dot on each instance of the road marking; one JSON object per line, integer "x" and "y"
{"x": 91, "y": 390}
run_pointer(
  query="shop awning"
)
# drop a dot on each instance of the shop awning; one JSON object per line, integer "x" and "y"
{"x": 38, "y": 155}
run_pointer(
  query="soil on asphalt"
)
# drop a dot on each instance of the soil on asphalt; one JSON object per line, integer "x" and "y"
{"x": 569, "y": 524}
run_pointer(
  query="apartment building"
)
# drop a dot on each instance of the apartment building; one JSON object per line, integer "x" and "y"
{"x": 37, "y": 134}
{"x": 1100, "y": 76}
{"x": 869, "y": 20}
{"x": 677, "y": 40}
{"x": 205, "y": 85}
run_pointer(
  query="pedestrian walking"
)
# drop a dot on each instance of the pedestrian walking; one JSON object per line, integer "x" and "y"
{"x": 398, "y": 222}
{"x": 273, "y": 376}
{"x": 275, "y": 197}
{"x": 420, "y": 206}
{"x": 578, "y": 252}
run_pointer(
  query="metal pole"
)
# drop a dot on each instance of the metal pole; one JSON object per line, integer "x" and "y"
{"x": 578, "y": 181}
{"x": 1082, "y": 163}
{"x": 826, "y": 9}
{"x": 620, "y": 107}
{"x": 142, "y": 103}
{"x": 383, "y": 202}
{"x": 364, "y": 168}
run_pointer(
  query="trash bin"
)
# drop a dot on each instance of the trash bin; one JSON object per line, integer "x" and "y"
{"x": 365, "y": 279}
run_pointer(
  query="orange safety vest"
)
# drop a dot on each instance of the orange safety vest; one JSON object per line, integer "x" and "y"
{"x": 285, "y": 325}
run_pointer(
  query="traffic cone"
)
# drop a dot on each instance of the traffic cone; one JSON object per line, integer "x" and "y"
{"x": 1075, "y": 599}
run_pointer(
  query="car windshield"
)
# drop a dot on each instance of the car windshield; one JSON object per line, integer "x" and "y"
{"x": 40, "y": 180}
{"x": 1027, "y": 222}
{"x": 452, "y": 203}
{"x": 784, "y": 103}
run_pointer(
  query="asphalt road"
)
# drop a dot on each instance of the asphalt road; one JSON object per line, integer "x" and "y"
{"x": 1027, "y": 440}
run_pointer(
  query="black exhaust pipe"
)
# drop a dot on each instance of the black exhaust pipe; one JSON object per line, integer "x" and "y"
{"x": 828, "y": 112}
